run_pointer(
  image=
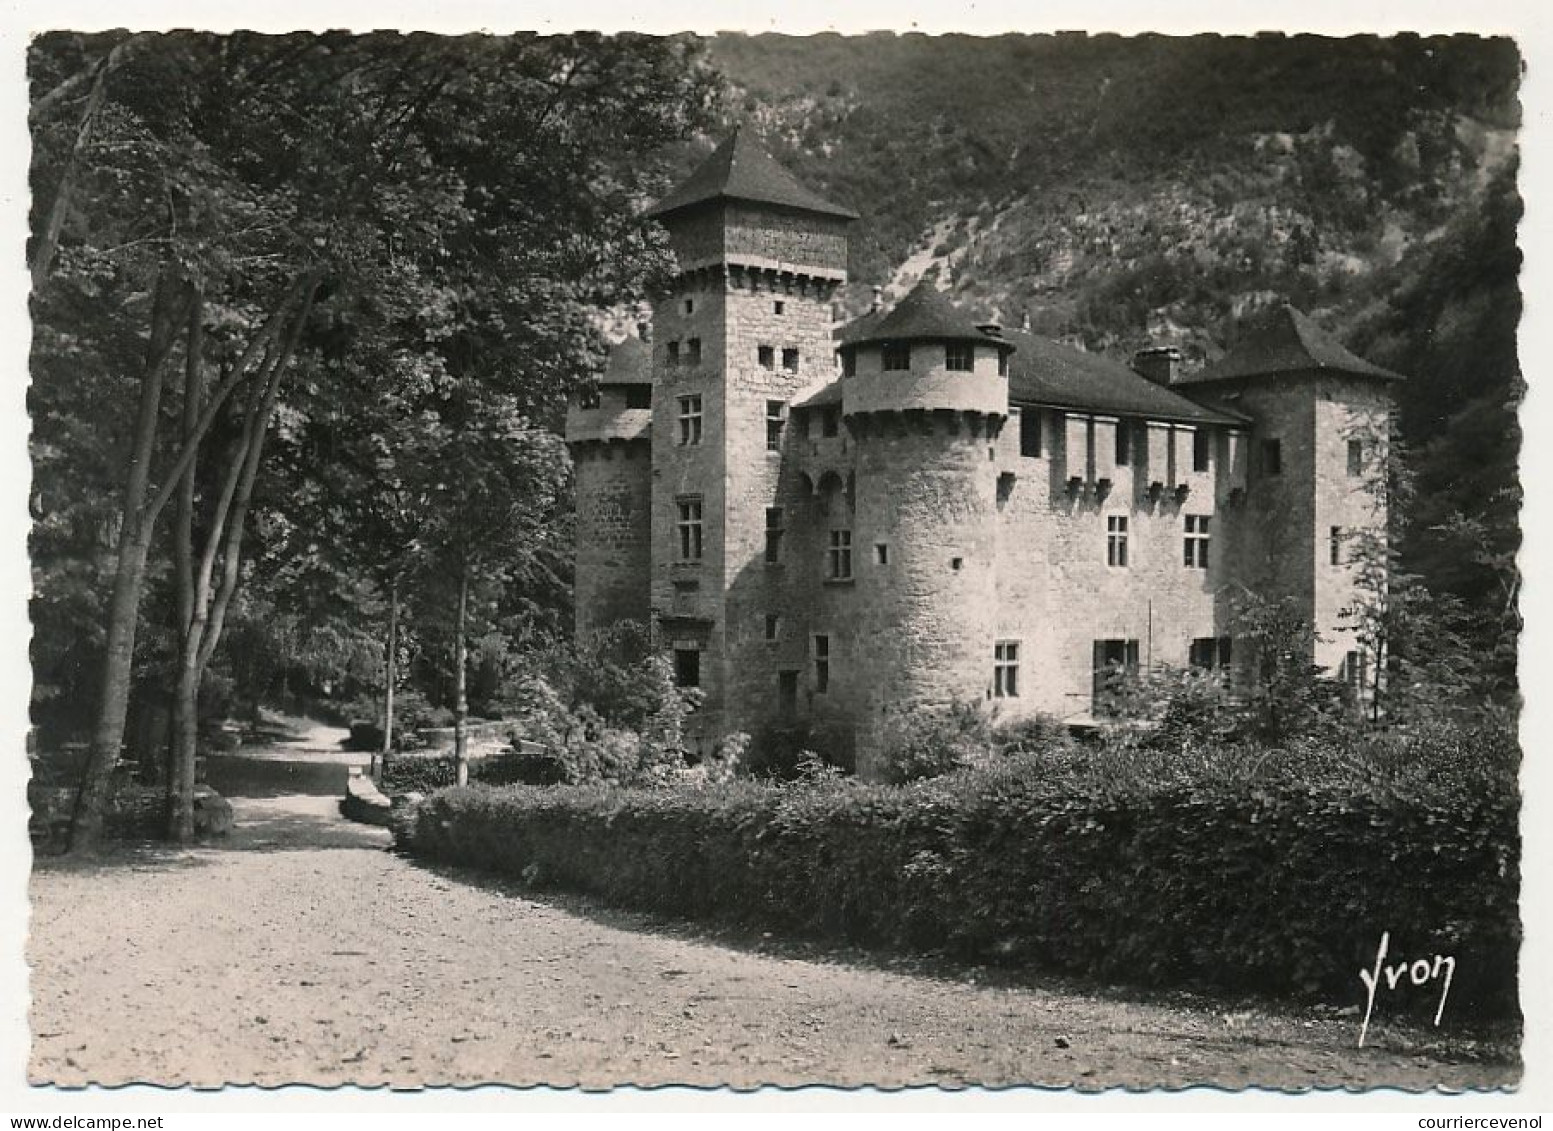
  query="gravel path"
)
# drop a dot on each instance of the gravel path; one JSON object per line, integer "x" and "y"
{"x": 303, "y": 951}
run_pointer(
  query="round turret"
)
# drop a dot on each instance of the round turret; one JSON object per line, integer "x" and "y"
{"x": 925, "y": 355}
{"x": 608, "y": 431}
{"x": 925, "y": 393}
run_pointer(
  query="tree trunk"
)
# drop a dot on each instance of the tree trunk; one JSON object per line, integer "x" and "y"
{"x": 180, "y": 817}
{"x": 208, "y": 599}
{"x": 390, "y": 674}
{"x": 43, "y": 254}
{"x": 460, "y": 686}
{"x": 138, "y": 521}
{"x": 128, "y": 576}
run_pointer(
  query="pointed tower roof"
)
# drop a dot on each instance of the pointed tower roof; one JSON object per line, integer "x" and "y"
{"x": 739, "y": 169}
{"x": 923, "y": 315}
{"x": 1287, "y": 341}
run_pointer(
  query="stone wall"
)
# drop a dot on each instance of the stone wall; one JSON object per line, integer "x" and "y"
{"x": 732, "y": 232}
{"x": 927, "y": 384}
{"x": 758, "y": 478}
{"x": 770, "y": 238}
{"x": 1056, "y": 592}
{"x": 614, "y": 532}
{"x": 920, "y": 623}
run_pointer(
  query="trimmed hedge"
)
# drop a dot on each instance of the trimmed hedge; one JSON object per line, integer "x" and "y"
{"x": 423, "y": 773}
{"x": 1271, "y": 871}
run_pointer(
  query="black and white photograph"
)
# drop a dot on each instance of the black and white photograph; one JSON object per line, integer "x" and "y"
{"x": 596, "y": 559}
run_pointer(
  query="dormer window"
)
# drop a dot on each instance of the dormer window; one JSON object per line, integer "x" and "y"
{"x": 897, "y": 356}
{"x": 959, "y": 356}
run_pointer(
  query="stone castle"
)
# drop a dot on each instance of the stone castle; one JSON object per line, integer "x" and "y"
{"x": 828, "y": 524}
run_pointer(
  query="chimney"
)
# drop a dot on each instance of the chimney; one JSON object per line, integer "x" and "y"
{"x": 1024, "y": 323}
{"x": 1160, "y": 364}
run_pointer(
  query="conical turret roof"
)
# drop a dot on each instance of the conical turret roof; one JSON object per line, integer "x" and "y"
{"x": 1286, "y": 341}
{"x": 923, "y": 315}
{"x": 739, "y": 169}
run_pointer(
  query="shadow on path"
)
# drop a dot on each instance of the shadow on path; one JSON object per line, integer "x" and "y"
{"x": 1488, "y": 1042}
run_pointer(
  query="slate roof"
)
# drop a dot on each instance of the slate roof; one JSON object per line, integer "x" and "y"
{"x": 829, "y": 393}
{"x": 923, "y": 315}
{"x": 1286, "y": 341}
{"x": 739, "y": 169}
{"x": 630, "y": 363}
{"x": 1048, "y": 373}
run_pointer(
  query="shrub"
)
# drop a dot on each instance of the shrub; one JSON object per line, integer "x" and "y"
{"x": 927, "y": 742}
{"x": 1032, "y": 734}
{"x": 1272, "y": 869}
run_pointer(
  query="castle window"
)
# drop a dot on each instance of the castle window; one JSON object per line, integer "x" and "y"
{"x": 1116, "y": 540}
{"x": 1114, "y": 661}
{"x": 773, "y": 534}
{"x": 1030, "y": 432}
{"x": 1196, "y": 544}
{"x": 690, "y": 306}
{"x": 673, "y": 348}
{"x": 828, "y": 421}
{"x": 1353, "y": 672}
{"x": 779, "y": 307}
{"x": 960, "y": 356}
{"x": 693, "y": 352}
{"x": 687, "y": 667}
{"x": 1005, "y": 669}
{"x": 1209, "y": 653}
{"x": 589, "y": 397}
{"x": 689, "y": 528}
{"x": 773, "y": 626}
{"x": 766, "y": 355}
{"x": 775, "y": 420}
{"x": 1200, "y": 449}
{"x": 1272, "y": 457}
{"x": 882, "y": 553}
{"x": 1335, "y": 545}
{"x": 1355, "y": 457}
{"x": 638, "y": 396}
{"x": 838, "y": 556}
{"x": 897, "y": 356}
{"x": 821, "y": 664}
{"x": 790, "y": 359}
{"x": 787, "y": 693}
{"x": 849, "y": 363}
{"x": 1123, "y": 447}
{"x": 690, "y": 420}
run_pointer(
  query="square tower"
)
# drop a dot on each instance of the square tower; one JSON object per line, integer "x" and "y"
{"x": 745, "y": 326}
{"x": 1317, "y": 505}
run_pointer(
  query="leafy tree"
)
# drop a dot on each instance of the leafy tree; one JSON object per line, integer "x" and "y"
{"x": 255, "y": 200}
